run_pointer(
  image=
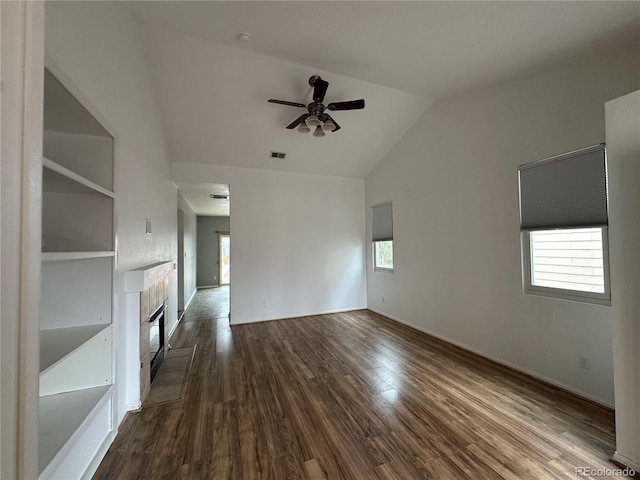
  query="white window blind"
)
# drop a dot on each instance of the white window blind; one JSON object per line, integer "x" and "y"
{"x": 565, "y": 191}
{"x": 382, "y": 222}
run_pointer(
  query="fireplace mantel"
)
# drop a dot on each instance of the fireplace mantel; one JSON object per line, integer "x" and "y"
{"x": 142, "y": 278}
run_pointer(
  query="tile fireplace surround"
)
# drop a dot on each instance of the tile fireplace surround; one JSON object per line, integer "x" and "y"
{"x": 148, "y": 289}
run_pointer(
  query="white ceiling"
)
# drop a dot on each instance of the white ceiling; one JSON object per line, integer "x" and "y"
{"x": 199, "y": 198}
{"x": 399, "y": 56}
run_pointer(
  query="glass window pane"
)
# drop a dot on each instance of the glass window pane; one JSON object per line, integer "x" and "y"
{"x": 383, "y": 254}
{"x": 570, "y": 259}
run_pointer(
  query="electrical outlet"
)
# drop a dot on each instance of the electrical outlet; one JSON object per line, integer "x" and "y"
{"x": 584, "y": 362}
{"x": 382, "y": 299}
{"x": 265, "y": 304}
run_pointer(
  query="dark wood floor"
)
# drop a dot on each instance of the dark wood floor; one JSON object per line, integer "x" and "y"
{"x": 352, "y": 396}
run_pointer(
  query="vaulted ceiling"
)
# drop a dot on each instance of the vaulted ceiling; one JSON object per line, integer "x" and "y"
{"x": 399, "y": 56}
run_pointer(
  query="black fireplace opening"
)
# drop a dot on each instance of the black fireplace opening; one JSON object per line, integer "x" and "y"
{"x": 156, "y": 339}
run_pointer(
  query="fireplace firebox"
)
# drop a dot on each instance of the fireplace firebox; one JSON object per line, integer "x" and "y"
{"x": 156, "y": 339}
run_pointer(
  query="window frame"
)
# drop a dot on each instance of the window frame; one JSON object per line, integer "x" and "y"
{"x": 376, "y": 268}
{"x": 563, "y": 293}
{"x": 382, "y": 231}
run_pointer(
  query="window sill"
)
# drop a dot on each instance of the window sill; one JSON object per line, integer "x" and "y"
{"x": 383, "y": 270}
{"x": 571, "y": 297}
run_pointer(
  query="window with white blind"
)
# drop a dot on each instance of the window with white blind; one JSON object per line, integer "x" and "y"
{"x": 563, "y": 218}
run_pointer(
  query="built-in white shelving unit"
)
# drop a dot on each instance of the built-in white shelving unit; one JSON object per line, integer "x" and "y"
{"x": 76, "y": 348}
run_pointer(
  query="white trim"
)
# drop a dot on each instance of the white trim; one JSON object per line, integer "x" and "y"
{"x": 175, "y": 325}
{"x": 186, "y": 305}
{"x": 626, "y": 461}
{"x": 301, "y": 315}
{"x": 173, "y": 329}
{"x": 99, "y": 456}
{"x": 130, "y": 407}
{"x": 513, "y": 366}
{"x": 203, "y": 287}
{"x": 24, "y": 51}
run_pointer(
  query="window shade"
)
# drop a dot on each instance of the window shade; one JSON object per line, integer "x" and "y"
{"x": 568, "y": 190}
{"x": 382, "y": 222}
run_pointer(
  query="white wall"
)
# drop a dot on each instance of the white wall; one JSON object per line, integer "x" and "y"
{"x": 95, "y": 46}
{"x": 623, "y": 152}
{"x": 453, "y": 183}
{"x": 297, "y": 241}
{"x": 190, "y": 246}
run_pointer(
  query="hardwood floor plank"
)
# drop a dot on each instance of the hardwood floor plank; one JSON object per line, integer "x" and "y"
{"x": 352, "y": 396}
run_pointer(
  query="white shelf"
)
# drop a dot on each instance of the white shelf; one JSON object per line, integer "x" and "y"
{"x": 59, "y": 179}
{"x": 58, "y": 343}
{"x": 62, "y": 256}
{"x": 62, "y": 416}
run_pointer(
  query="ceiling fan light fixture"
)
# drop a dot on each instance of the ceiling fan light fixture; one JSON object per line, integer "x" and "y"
{"x": 329, "y": 126}
{"x": 319, "y": 132}
{"x": 304, "y": 128}
{"x": 313, "y": 121}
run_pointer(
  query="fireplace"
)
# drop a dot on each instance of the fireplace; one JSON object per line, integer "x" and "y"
{"x": 156, "y": 339}
{"x": 147, "y": 298}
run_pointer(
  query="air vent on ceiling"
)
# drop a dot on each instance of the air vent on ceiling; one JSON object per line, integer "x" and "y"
{"x": 278, "y": 154}
{"x": 216, "y": 196}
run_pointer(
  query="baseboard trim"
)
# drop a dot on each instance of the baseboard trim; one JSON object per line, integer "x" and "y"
{"x": 625, "y": 462}
{"x": 302, "y": 315}
{"x": 131, "y": 407}
{"x": 202, "y": 287}
{"x": 193, "y": 294}
{"x": 515, "y": 368}
{"x": 99, "y": 456}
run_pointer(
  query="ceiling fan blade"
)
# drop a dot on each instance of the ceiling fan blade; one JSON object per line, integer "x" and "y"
{"x": 319, "y": 89}
{"x": 298, "y": 121}
{"x": 329, "y": 117}
{"x": 350, "y": 105}
{"x": 284, "y": 102}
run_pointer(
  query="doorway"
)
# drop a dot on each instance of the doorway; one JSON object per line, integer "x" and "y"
{"x": 224, "y": 258}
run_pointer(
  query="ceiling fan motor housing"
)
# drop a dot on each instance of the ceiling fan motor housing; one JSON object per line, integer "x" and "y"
{"x": 313, "y": 78}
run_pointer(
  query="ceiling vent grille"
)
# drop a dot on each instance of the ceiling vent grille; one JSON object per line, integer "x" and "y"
{"x": 278, "y": 154}
{"x": 216, "y": 196}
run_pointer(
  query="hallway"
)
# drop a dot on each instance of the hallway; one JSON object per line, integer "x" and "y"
{"x": 208, "y": 304}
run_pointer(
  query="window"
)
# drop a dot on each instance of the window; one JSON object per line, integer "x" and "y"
{"x": 563, "y": 218}
{"x": 382, "y": 237}
{"x": 568, "y": 261}
{"x": 383, "y": 254}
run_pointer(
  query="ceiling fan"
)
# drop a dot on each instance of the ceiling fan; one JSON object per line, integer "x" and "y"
{"x": 316, "y": 115}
